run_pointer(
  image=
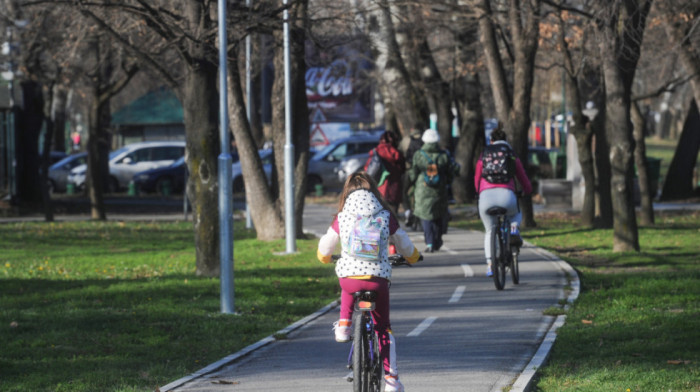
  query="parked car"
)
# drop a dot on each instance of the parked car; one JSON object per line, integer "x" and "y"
{"x": 132, "y": 159}
{"x": 325, "y": 166}
{"x": 59, "y": 171}
{"x": 237, "y": 174}
{"x": 163, "y": 180}
{"x": 55, "y": 156}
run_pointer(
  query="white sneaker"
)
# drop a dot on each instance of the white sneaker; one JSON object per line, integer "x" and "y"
{"x": 392, "y": 384}
{"x": 342, "y": 330}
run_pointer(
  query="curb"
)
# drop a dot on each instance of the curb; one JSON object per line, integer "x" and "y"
{"x": 524, "y": 382}
{"x": 249, "y": 349}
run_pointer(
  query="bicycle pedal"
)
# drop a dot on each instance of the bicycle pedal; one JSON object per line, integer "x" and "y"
{"x": 349, "y": 377}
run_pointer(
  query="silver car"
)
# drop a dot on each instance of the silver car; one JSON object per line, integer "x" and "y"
{"x": 131, "y": 159}
{"x": 59, "y": 171}
{"x": 324, "y": 166}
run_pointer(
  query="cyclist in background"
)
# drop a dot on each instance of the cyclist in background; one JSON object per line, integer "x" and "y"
{"x": 494, "y": 182}
{"x": 364, "y": 225}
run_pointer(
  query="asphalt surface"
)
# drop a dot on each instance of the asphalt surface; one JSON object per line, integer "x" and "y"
{"x": 454, "y": 331}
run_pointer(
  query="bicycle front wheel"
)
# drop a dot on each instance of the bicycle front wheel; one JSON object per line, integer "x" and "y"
{"x": 360, "y": 355}
{"x": 499, "y": 258}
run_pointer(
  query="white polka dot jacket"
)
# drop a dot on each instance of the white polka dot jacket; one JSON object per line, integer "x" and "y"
{"x": 363, "y": 204}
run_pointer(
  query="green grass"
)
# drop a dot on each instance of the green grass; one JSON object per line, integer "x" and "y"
{"x": 636, "y": 324}
{"x": 92, "y": 306}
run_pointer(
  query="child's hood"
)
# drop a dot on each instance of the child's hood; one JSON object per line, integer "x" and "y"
{"x": 362, "y": 202}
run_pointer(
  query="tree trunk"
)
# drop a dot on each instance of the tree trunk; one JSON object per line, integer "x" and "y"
{"x": 407, "y": 105}
{"x": 604, "y": 217}
{"x": 640, "y": 159}
{"x": 581, "y": 129}
{"x": 199, "y": 98}
{"x": 45, "y": 158}
{"x": 439, "y": 91}
{"x": 94, "y": 177}
{"x": 513, "y": 109}
{"x": 58, "y": 113}
{"x": 467, "y": 90}
{"x": 264, "y": 209}
{"x": 620, "y": 42}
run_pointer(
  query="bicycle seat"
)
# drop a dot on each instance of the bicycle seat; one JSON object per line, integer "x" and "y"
{"x": 493, "y": 211}
{"x": 366, "y": 295}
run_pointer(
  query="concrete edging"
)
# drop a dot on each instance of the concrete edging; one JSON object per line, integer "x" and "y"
{"x": 247, "y": 350}
{"x": 524, "y": 382}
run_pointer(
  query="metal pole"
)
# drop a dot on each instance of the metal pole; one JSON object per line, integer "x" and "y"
{"x": 225, "y": 185}
{"x": 290, "y": 228}
{"x": 249, "y": 95}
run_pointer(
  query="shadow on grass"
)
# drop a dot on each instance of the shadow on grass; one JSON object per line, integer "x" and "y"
{"x": 94, "y": 334}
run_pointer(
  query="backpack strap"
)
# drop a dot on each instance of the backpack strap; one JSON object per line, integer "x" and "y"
{"x": 430, "y": 161}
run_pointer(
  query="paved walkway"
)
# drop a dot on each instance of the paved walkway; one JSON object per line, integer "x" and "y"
{"x": 454, "y": 330}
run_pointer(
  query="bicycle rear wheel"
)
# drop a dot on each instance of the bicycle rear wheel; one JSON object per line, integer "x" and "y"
{"x": 360, "y": 355}
{"x": 499, "y": 257}
{"x": 376, "y": 366}
{"x": 514, "y": 268}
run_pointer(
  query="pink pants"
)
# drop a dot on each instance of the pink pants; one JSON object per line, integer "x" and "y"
{"x": 380, "y": 315}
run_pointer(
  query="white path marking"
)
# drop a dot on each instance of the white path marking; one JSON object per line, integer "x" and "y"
{"x": 422, "y": 326}
{"x": 457, "y": 294}
{"x": 468, "y": 271}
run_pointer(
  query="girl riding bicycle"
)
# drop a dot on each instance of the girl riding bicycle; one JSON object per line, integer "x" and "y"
{"x": 364, "y": 225}
{"x": 500, "y": 193}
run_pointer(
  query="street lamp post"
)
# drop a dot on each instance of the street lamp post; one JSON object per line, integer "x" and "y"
{"x": 290, "y": 229}
{"x": 225, "y": 210}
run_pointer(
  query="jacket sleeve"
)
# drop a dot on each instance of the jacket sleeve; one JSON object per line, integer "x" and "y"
{"x": 477, "y": 174}
{"x": 404, "y": 246}
{"x": 521, "y": 175}
{"x": 326, "y": 245}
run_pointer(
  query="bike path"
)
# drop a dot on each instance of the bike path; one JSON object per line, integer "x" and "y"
{"x": 454, "y": 331}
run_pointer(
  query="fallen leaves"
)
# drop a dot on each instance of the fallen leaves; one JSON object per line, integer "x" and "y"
{"x": 225, "y": 382}
{"x": 678, "y": 362}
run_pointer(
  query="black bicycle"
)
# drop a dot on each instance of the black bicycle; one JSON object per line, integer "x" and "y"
{"x": 503, "y": 253}
{"x": 364, "y": 358}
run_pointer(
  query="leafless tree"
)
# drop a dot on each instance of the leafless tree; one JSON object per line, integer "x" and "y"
{"x": 620, "y": 26}
{"x": 512, "y": 95}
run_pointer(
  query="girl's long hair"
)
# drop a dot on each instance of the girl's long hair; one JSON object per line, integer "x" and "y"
{"x": 362, "y": 180}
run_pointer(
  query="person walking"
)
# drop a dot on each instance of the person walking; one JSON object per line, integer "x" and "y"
{"x": 408, "y": 146}
{"x": 431, "y": 172}
{"x": 494, "y": 181}
{"x": 364, "y": 225}
{"x": 389, "y": 184}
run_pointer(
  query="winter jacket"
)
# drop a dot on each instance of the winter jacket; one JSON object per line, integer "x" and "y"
{"x": 481, "y": 184}
{"x": 431, "y": 201}
{"x": 362, "y": 202}
{"x": 395, "y": 164}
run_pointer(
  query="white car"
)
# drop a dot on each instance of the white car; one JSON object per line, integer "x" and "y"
{"x": 132, "y": 159}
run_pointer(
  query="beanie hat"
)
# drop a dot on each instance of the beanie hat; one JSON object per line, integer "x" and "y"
{"x": 430, "y": 136}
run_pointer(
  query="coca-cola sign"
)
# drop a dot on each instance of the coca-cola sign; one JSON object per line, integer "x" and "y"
{"x": 332, "y": 81}
{"x": 337, "y": 87}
